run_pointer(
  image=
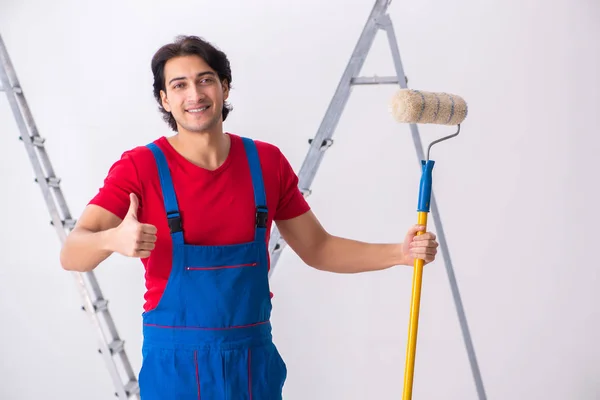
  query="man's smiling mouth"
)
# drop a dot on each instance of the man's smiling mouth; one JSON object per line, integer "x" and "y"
{"x": 197, "y": 110}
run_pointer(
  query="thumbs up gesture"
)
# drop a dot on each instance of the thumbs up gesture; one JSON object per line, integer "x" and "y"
{"x": 132, "y": 238}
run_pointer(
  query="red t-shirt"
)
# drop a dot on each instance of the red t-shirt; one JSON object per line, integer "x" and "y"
{"x": 217, "y": 207}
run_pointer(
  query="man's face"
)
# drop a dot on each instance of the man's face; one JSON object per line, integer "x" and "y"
{"x": 194, "y": 94}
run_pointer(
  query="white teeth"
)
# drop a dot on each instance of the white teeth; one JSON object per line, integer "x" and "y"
{"x": 198, "y": 109}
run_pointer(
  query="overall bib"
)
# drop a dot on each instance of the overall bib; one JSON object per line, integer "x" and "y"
{"x": 210, "y": 335}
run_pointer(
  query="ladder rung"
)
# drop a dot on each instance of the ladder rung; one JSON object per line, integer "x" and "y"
{"x": 67, "y": 223}
{"x": 132, "y": 388}
{"x": 52, "y": 181}
{"x": 15, "y": 89}
{"x": 38, "y": 141}
{"x": 324, "y": 145}
{"x": 374, "y": 80}
{"x": 99, "y": 305}
{"x": 116, "y": 346}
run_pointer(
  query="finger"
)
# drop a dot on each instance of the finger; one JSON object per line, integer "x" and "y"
{"x": 142, "y": 254}
{"x": 148, "y": 228}
{"x": 429, "y": 257}
{"x": 426, "y": 259}
{"x": 417, "y": 244}
{"x": 133, "y": 206}
{"x": 425, "y": 236}
{"x": 416, "y": 228}
{"x": 141, "y": 246}
{"x": 413, "y": 232}
{"x": 424, "y": 249}
{"x": 146, "y": 237}
{"x": 429, "y": 244}
{"x": 423, "y": 252}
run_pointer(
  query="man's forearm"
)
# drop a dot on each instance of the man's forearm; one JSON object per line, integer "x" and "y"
{"x": 342, "y": 255}
{"x": 84, "y": 250}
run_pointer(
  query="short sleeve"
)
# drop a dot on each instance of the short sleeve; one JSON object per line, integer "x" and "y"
{"x": 121, "y": 180}
{"x": 291, "y": 201}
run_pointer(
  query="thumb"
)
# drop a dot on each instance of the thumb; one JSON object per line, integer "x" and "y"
{"x": 133, "y": 206}
{"x": 414, "y": 230}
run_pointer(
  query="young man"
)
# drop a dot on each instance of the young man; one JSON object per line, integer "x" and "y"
{"x": 197, "y": 208}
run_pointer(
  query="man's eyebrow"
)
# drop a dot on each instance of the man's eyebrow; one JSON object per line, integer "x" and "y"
{"x": 179, "y": 78}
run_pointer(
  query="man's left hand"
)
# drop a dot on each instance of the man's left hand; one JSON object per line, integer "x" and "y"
{"x": 422, "y": 246}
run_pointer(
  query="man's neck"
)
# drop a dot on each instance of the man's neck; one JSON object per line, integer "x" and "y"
{"x": 206, "y": 150}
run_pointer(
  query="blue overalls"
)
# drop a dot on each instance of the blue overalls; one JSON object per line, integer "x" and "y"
{"x": 210, "y": 335}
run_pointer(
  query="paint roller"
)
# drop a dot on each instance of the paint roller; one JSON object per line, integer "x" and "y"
{"x": 419, "y": 107}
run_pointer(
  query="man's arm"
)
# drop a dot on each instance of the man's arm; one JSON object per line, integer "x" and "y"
{"x": 109, "y": 222}
{"x": 326, "y": 252}
{"x": 89, "y": 243}
{"x": 99, "y": 233}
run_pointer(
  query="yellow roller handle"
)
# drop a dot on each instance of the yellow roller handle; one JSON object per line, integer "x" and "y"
{"x": 413, "y": 325}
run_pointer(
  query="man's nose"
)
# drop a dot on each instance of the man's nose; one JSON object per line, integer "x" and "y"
{"x": 196, "y": 94}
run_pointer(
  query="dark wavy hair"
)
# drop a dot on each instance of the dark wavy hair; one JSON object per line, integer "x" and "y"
{"x": 185, "y": 46}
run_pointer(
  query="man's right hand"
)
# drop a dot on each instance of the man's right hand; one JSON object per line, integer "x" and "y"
{"x": 132, "y": 238}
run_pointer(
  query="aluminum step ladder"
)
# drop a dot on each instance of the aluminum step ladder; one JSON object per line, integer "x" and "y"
{"x": 111, "y": 347}
{"x": 378, "y": 20}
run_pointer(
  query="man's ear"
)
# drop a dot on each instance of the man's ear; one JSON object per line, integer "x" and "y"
{"x": 225, "y": 85}
{"x": 165, "y": 101}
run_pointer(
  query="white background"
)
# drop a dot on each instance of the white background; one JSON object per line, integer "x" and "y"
{"x": 517, "y": 188}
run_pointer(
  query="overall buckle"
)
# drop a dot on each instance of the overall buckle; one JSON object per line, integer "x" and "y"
{"x": 175, "y": 224}
{"x": 262, "y": 216}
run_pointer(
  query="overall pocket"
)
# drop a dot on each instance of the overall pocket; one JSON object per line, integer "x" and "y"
{"x": 268, "y": 373}
{"x": 169, "y": 374}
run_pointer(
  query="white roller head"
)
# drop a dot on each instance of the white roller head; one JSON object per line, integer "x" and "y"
{"x": 419, "y": 107}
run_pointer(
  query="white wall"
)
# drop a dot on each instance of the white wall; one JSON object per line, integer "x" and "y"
{"x": 516, "y": 189}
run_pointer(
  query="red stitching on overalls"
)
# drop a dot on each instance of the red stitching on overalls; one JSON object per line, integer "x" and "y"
{"x": 250, "y": 374}
{"x": 208, "y": 329}
{"x": 197, "y": 372}
{"x": 221, "y": 267}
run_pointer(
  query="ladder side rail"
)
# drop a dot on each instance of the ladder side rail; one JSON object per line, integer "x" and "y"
{"x": 93, "y": 301}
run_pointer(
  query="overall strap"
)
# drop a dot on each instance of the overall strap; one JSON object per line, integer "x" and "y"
{"x": 169, "y": 198}
{"x": 260, "y": 199}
